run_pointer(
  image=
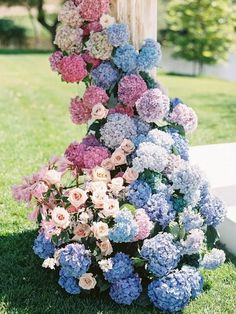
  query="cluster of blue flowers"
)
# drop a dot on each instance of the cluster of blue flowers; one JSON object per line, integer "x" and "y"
{"x": 180, "y": 145}
{"x": 213, "y": 260}
{"x": 74, "y": 260}
{"x": 126, "y": 285}
{"x": 70, "y": 284}
{"x": 125, "y": 58}
{"x": 118, "y": 34}
{"x": 142, "y": 127}
{"x": 161, "y": 138}
{"x": 160, "y": 207}
{"x": 125, "y": 228}
{"x": 150, "y": 156}
{"x": 193, "y": 243}
{"x": 105, "y": 75}
{"x": 43, "y": 247}
{"x": 190, "y": 219}
{"x": 195, "y": 279}
{"x": 139, "y": 193}
{"x": 149, "y": 55}
{"x": 117, "y": 128}
{"x": 212, "y": 209}
{"x": 161, "y": 253}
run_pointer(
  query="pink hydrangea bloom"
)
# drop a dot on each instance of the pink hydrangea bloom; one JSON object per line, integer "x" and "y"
{"x": 184, "y": 116}
{"x": 75, "y": 154}
{"x": 123, "y": 110}
{"x": 55, "y": 60}
{"x": 130, "y": 89}
{"x": 70, "y": 14}
{"x": 89, "y": 59}
{"x": 153, "y": 105}
{"x": 79, "y": 112}
{"x": 73, "y": 69}
{"x": 95, "y": 95}
{"x": 69, "y": 39}
{"x": 92, "y": 10}
{"x": 94, "y": 156}
{"x": 144, "y": 224}
{"x": 91, "y": 27}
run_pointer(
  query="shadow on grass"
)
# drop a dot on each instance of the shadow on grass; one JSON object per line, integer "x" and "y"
{"x": 23, "y": 51}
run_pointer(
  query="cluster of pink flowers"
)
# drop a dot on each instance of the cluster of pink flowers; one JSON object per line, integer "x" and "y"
{"x": 92, "y": 10}
{"x": 123, "y": 110}
{"x": 144, "y": 224}
{"x": 184, "y": 116}
{"x": 70, "y": 14}
{"x": 79, "y": 112}
{"x": 73, "y": 69}
{"x": 131, "y": 88}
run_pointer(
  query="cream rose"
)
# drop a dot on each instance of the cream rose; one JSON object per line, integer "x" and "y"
{"x": 77, "y": 197}
{"x": 99, "y": 112}
{"x": 52, "y": 176}
{"x": 108, "y": 164}
{"x": 61, "y": 217}
{"x": 98, "y": 186}
{"x": 127, "y": 146}
{"x": 118, "y": 157}
{"x": 98, "y": 199}
{"x": 87, "y": 281}
{"x": 110, "y": 208}
{"x": 130, "y": 175}
{"x": 100, "y": 230}
{"x": 105, "y": 247}
{"x": 81, "y": 231}
{"x": 116, "y": 185}
{"x": 101, "y": 174}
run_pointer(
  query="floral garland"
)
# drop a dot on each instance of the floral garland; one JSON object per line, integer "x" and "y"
{"x": 124, "y": 210}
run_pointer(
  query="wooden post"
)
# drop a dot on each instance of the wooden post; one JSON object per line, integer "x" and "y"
{"x": 140, "y": 15}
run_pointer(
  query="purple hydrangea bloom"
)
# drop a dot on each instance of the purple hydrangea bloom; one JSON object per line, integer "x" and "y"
{"x": 139, "y": 193}
{"x": 149, "y": 55}
{"x": 122, "y": 268}
{"x": 74, "y": 260}
{"x": 193, "y": 243}
{"x": 105, "y": 75}
{"x": 43, "y": 247}
{"x": 213, "y": 210}
{"x": 125, "y": 228}
{"x": 161, "y": 253}
{"x": 125, "y": 291}
{"x": 213, "y": 260}
{"x": 117, "y": 128}
{"x": 195, "y": 279}
{"x": 118, "y": 34}
{"x": 190, "y": 219}
{"x": 69, "y": 284}
{"x": 125, "y": 58}
{"x": 159, "y": 206}
{"x": 170, "y": 293}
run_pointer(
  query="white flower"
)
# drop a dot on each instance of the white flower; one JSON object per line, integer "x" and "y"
{"x": 100, "y": 230}
{"x": 84, "y": 217}
{"x": 77, "y": 197}
{"x": 110, "y": 208}
{"x": 106, "y": 20}
{"x": 61, "y": 217}
{"x": 49, "y": 263}
{"x": 105, "y": 264}
{"x": 52, "y": 176}
{"x": 87, "y": 281}
{"x": 98, "y": 186}
{"x": 116, "y": 185}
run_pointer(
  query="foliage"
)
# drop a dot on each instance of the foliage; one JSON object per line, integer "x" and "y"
{"x": 11, "y": 33}
{"x": 202, "y": 30}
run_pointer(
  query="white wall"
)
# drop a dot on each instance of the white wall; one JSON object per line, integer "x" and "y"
{"x": 225, "y": 70}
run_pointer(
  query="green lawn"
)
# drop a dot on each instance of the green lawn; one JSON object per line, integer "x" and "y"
{"x": 34, "y": 124}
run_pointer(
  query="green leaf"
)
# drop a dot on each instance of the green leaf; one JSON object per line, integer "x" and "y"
{"x": 212, "y": 237}
{"x": 174, "y": 229}
{"x": 138, "y": 262}
{"x": 130, "y": 207}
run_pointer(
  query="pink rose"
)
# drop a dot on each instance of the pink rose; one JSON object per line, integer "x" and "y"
{"x": 100, "y": 230}
{"x": 99, "y": 198}
{"x": 77, "y": 197}
{"x": 61, "y": 217}
{"x": 105, "y": 247}
{"x": 127, "y": 146}
{"x": 116, "y": 185}
{"x": 118, "y": 157}
{"x": 81, "y": 231}
{"x": 111, "y": 207}
{"x": 130, "y": 175}
{"x": 108, "y": 164}
{"x": 99, "y": 112}
{"x": 52, "y": 176}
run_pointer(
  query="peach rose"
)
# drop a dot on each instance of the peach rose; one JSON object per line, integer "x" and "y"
{"x": 101, "y": 174}
{"x": 127, "y": 146}
{"x": 99, "y": 112}
{"x": 130, "y": 175}
{"x": 111, "y": 207}
{"x": 108, "y": 164}
{"x": 77, "y": 197}
{"x": 81, "y": 231}
{"x": 100, "y": 230}
{"x": 52, "y": 176}
{"x": 105, "y": 247}
{"x": 118, "y": 157}
{"x": 87, "y": 281}
{"x": 61, "y": 217}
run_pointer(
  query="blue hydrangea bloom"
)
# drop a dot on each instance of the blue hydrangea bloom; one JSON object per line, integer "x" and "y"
{"x": 139, "y": 193}
{"x": 105, "y": 75}
{"x": 118, "y": 34}
{"x": 125, "y": 291}
{"x": 125, "y": 58}
{"x": 69, "y": 284}
{"x": 74, "y": 260}
{"x": 139, "y": 140}
{"x": 117, "y": 128}
{"x": 149, "y": 55}
{"x": 142, "y": 127}
{"x": 213, "y": 210}
{"x": 161, "y": 253}
{"x": 122, "y": 268}
{"x": 125, "y": 228}
{"x": 159, "y": 206}
{"x": 190, "y": 219}
{"x": 195, "y": 280}
{"x": 170, "y": 293}
{"x": 193, "y": 243}
{"x": 150, "y": 156}
{"x": 213, "y": 260}
{"x": 175, "y": 102}
{"x": 160, "y": 138}
{"x": 42, "y": 247}
{"x": 181, "y": 145}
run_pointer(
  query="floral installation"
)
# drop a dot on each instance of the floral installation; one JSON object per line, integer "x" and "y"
{"x": 123, "y": 211}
